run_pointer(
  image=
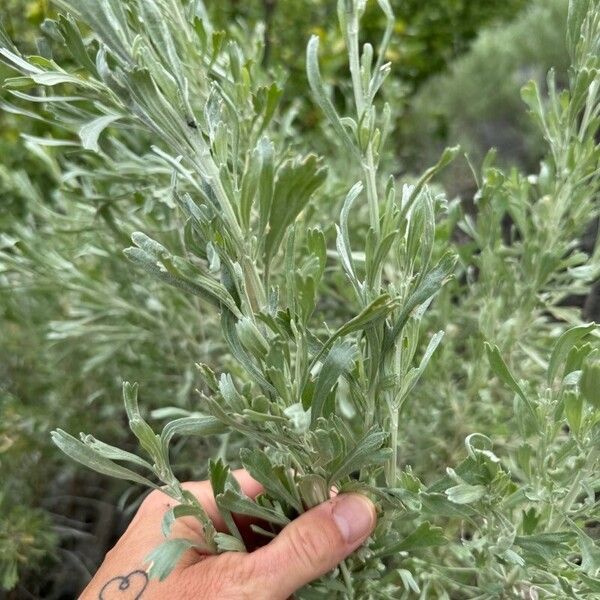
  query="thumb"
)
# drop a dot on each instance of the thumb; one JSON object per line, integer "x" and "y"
{"x": 314, "y": 543}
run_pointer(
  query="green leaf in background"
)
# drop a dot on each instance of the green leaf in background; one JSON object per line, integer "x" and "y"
{"x": 221, "y": 481}
{"x": 578, "y": 11}
{"x": 589, "y": 384}
{"x": 177, "y": 512}
{"x": 235, "y": 347}
{"x": 413, "y": 376}
{"x": 83, "y": 454}
{"x": 564, "y": 345}
{"x": 447, "y": 157}
{"x": 275, "y": 479}
{"x": 343, "y": 236}
{"x": 531, "y": 96}
{"x": 365, "y": 450}
{"x": 502, "y": 371}
{"x": 75, "y": 43}
{"x": 374, "y": 313}
{"x": 424, "y": 536}
{"x": 338, "y": 361}
{"x": 542, "y": 546}
{"x": 237, "y": 503}
{"x": 590, "y": 554}
{"x": 90, "y": 133}
{"x": 465, "y": 494}
{"x": 318, "y": 90}
{"x": 149, "y": 441}
{"x": 112, "y": 453}
{"x": 154, "y": 258}
{"x": 427, "y": 288}
{"x": 191, "y": 426}
{"x": 294, "y": 185}
{"x": 573, "y": 409}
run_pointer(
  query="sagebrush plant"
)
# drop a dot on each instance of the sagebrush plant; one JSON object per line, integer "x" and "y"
{"x": 324, "y": 336}
{"x": 480, "y": 107}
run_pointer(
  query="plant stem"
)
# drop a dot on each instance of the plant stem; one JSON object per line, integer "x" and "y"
{"x": 354, "y": 56}
{"x": 391, "y": 468}
{"x": 562, "y": 515}
{"x": 370, "y": 171}
{"x": 347, "y": 576}
{"x": 369, "y": 167}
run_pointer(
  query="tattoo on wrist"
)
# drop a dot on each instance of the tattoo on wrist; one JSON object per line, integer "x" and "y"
{"x": 125, "y": 587}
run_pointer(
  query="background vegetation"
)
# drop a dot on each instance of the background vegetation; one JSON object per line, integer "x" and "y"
{"x": 75, "y": 323}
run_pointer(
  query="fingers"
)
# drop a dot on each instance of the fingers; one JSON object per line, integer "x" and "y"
{"x": 313, "y": 544}
{"x": 158, "y": 503}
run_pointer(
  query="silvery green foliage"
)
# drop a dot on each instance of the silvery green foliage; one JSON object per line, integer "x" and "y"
{"x": 319, "y": 394}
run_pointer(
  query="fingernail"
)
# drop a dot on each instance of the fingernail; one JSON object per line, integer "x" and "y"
{"x": 354, "y": 516}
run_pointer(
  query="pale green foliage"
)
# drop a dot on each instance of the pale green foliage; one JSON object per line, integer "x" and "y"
{"x": 319, "y": 335}
{"x": 25, "y": 535}
{"x": 478, "y": 105}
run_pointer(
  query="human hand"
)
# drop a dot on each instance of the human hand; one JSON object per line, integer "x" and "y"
{"x": 306, "y": 549}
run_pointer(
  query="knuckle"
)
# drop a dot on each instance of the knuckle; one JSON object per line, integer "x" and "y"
{"x": 231, "y": 577}
{"x": 111, "y": 555}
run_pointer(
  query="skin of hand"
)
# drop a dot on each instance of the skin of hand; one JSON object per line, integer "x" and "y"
{"x": 307, "y": 548}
